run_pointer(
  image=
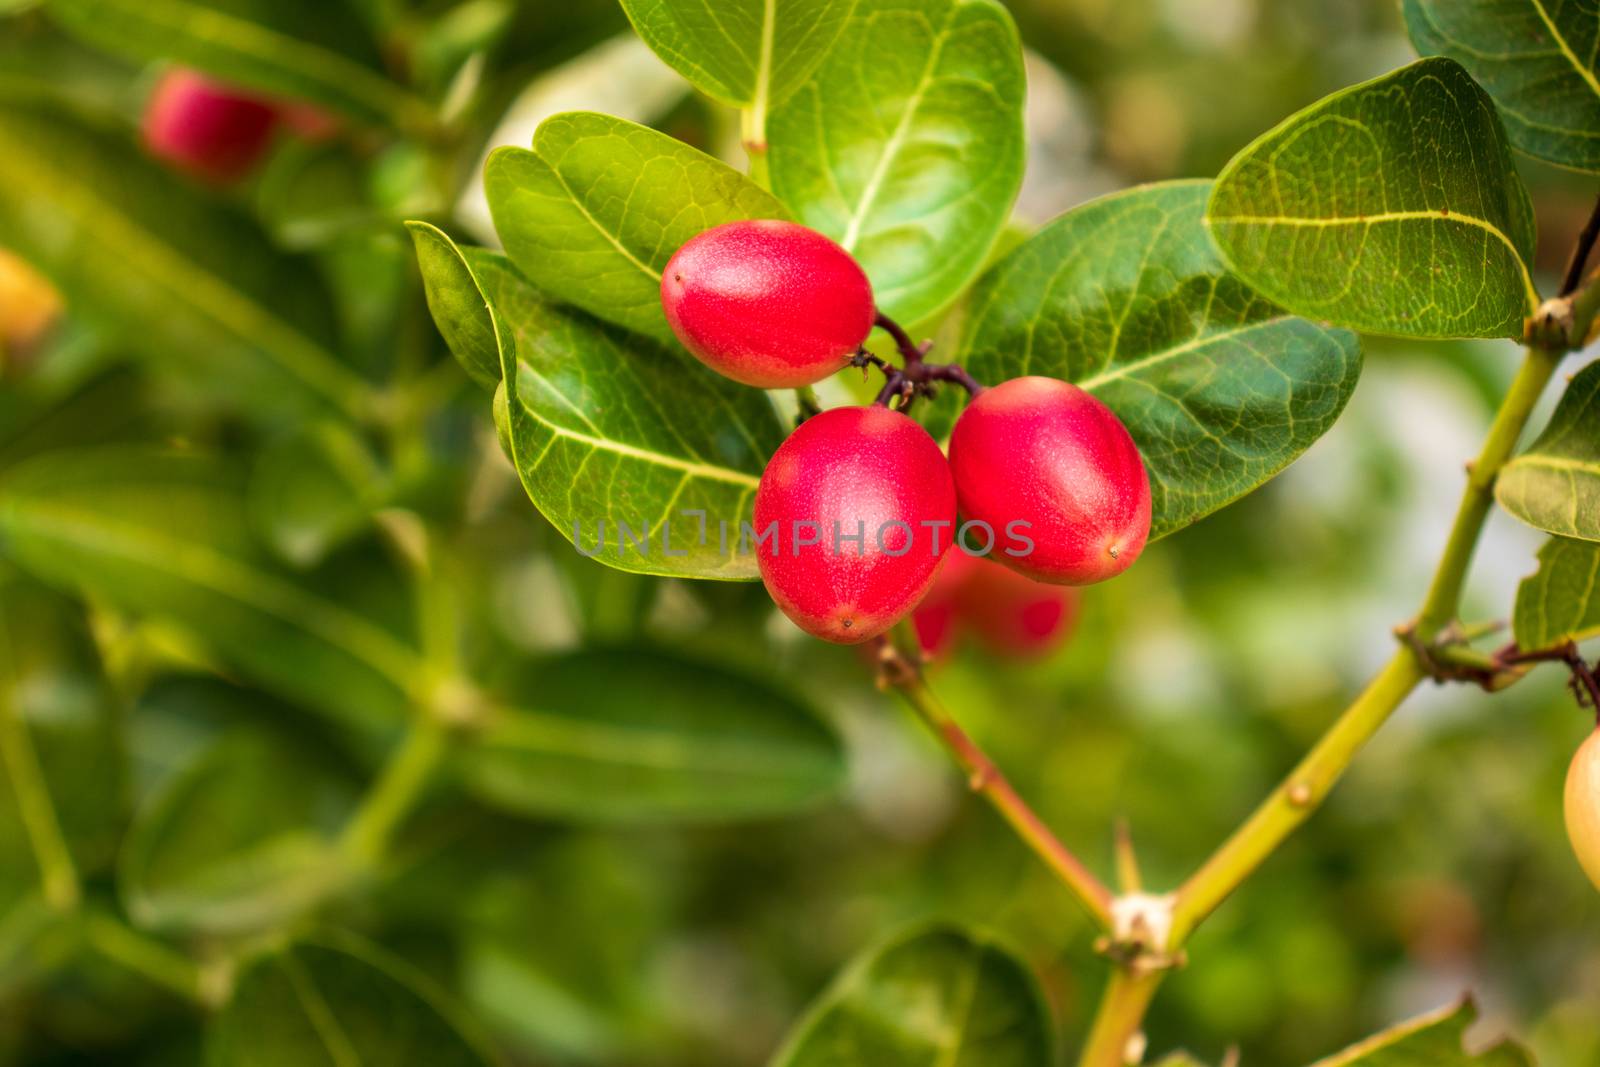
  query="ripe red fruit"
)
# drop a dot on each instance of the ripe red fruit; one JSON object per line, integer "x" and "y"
{"x": 1044, "y": 452}
{"x": 1013, "y": 614}
{"x": 938, "y": 619}
{"x": 1583, "y": 806}
{"x": 767, "y": 303}
{"x": 865, "y": 472}
{"x": 207, "y": 129}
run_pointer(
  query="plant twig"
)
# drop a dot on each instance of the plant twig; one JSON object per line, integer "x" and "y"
{"x": 1444, "y": 594}
{"x": 1580, "y": 252}
{"x": 897, "y": 671}
{"x": 160, "y": 963}
{"x": 917, "y": 376}
{"x": 909, "y": 350}
{"x": 393, "y": 796}
{"x": 1585, "y": 684}
{"x": 1116, "y": 1039}
{"x": 1300, "y": 794}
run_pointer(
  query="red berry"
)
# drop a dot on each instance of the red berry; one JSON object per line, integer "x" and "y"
{"x": 1045, "y": 453}
{"x": 1583, "y": 806}
{"x": 308, "y": 121}
{"x": 207, "y": 129}
{"x": 866, "y": 472}
{"x": 938, "y": 618}
{"x": 1013, "y": 614}
{"x": 768, "y": 303}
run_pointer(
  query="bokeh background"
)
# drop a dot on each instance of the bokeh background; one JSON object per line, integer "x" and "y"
{"x": 1190, "y": 687}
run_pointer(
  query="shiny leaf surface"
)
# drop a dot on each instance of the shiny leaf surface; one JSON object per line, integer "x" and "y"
{"x": 1220, "y": 388}
{"x": 594, "y": 212}
{"x": 1392, "y": 206}
{"x": 1555, "y": 484}
{"x": 907, "y": 146}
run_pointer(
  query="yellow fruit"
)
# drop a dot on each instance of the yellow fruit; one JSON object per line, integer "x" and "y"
{"x": 29, "y": 306}
{"x": 1583, "y": 806}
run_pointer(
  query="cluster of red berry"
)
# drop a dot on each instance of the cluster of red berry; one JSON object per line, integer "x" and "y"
{"x": 216, "y": 132}
{"x": 773, "y": 304}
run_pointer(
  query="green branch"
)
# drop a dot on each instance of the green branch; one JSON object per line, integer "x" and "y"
{"x": 1114, "y": 1038}
{"x": 161, "y": 964}
{"x": 985, "y": 779}
{"x": 396, "y": 792}
{"x": 1310, "y": 782}
{"x": 1444, "y": 594}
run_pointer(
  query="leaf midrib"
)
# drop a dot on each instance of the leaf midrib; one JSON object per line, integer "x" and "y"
{"x": 1126, "y": 370}
{"x": 200, "y": 565}
{"x": 1566, "y": 50}
{"x": 1560, "y": 463}
{"x": 1436, "y": 215}
{"x": 319, "y": 1013}
{"x": 708, "y": 471}
{"x": 614, "y": 239}
{"x": 526, "y": 729}
{"x": 896, "y": 141}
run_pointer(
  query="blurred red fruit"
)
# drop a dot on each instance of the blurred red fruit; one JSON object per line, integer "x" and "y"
{"x": 1014, "y": 616}
{"x": 207, "y": 129}
{"x": 937, "y": 618}
{"x": 308, "y": 121}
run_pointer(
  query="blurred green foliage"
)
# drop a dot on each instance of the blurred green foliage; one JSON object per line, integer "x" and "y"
{"x": 205, "y": 745}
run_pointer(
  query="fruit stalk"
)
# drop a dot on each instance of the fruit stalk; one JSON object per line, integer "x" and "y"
{"x": 985, "y": 779}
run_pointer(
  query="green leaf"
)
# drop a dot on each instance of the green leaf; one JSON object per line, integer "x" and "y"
{"x": 745, "y": 53}
{"x": 610, "y": 427}
{"x": 1560, "y": 601}
{"x": 61, "y": 764}
{"x": 937, "y": 995}
{"x": 224, "y": 848}
{"x": 578, "y": 991}
{"x": 907, "y": 145}
{"x": 336, "y": 1001}
{"x": 1220, "y": 389}
{"x": 1537, "y": 58}
{"x": 634, "y": 735}
{"x": 1555, "y": 484}
{"x": 1392, "y": 207}
{"x": 457, "y": 304}
{"x": 187, "y": 280}
{"x": 314, "y": 490}
{"x": 302, "y": 49}
{"x": 165, "y": 535}
{"x": 592, "y": 215}
{"x": 1435, "y": 1039}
